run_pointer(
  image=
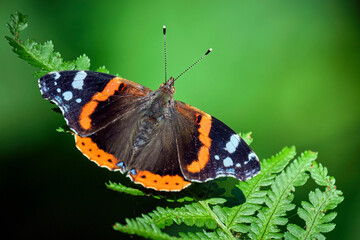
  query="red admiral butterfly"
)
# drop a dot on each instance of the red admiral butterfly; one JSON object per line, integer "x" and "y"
{"x": 161, "y": 143}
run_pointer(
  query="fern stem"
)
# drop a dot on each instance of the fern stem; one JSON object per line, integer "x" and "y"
{"x": 218, "y": 221}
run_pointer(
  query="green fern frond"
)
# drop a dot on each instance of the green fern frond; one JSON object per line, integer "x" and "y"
{"x": 315, "y": 213}
{"x": 205, "y": 235}
{"x": 18, "y": 22}
{"x": 240, "y": 216}
{"x": 142, "y": 229}
{"x": 279, "y": 198}
{"x": 196, "y": 214}
{"x": 118, "y": 187}
{"x": 170, "y": 197}
{"x": 193, "y": 214}
{"x": 41, "y": 56}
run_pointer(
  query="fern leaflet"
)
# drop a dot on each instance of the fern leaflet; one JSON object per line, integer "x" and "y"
{"x": 315, "y": 213}
{"x": 41, "y": 56}
{"x": 251, "y": 189}
{"x": 279, "y": 197}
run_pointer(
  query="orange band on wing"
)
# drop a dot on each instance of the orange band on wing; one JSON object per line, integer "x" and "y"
{"x": 94, "y": 153}
{"x": 89, "y": 108}
{"x": 160, "y": 183}
{"x": 204, "y": 152}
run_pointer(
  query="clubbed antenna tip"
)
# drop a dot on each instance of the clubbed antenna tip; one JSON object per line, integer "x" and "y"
{"x": 208, "y": 51}
{"x": 164, "y": 29}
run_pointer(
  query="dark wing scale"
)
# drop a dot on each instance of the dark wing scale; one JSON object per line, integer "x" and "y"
{"x": 79, "y": 93}
{"x": 215, "y": 149}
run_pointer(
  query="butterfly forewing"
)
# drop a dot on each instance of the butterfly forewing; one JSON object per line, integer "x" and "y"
{"x": 90, "y": 100}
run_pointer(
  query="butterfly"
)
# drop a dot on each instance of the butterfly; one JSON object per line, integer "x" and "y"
{"x": 161, "y": 143}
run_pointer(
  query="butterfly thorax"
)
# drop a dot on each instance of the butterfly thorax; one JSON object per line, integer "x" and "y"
{"x": 157, "y": 109}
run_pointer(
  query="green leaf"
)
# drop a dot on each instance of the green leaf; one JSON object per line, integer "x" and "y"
{"x": 102, "y": 69}
{"x": 41, "y": 56}
{"x": 279, "y": 198}
{"x": 246, "y": 137}
{"x": 320, "y": 174}
{"x": 82, "y": 63}
{"x": 123, "y": 189}
{"x": 328, "y": 227}
{"x": 205, "y": 235}
{"x": 142, "y": 229}
{"x": 295, "y": 231}
{"x": 315, "y": 212}
{"x": 214, "y": 201}
{"x": 18, "y": 22}
{"x": 191, "y": 214}
{"x": 255, "y": 197}
{"x": 170, "y": 197}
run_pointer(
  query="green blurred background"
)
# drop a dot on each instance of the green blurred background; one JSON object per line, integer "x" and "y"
{"x": 286, "y": 70}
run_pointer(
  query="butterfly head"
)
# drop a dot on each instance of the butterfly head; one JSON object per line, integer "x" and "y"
{"x": 168, "y": 87}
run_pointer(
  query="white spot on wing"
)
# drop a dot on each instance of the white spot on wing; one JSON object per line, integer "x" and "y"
{"x": 228, "y": 162}
{"x": 235, "y": 139}
{"x": 56, "y": 75}
{"x": 252, "y": 155}
{"x": 58, "y": 90}
{"x": 233, "y": 143}
{"x": 79, "y": 80}
{"x": 217, "y": 157}
{"x": 78, "y": 100}
{"x": 67, "y": 95}
{"x": 238, "y": 165}
{"x": 230, "y": 147}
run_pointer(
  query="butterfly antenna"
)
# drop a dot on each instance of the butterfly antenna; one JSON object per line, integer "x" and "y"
{"x": 207, "y": 52}
{"x": 164, "y": 32}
